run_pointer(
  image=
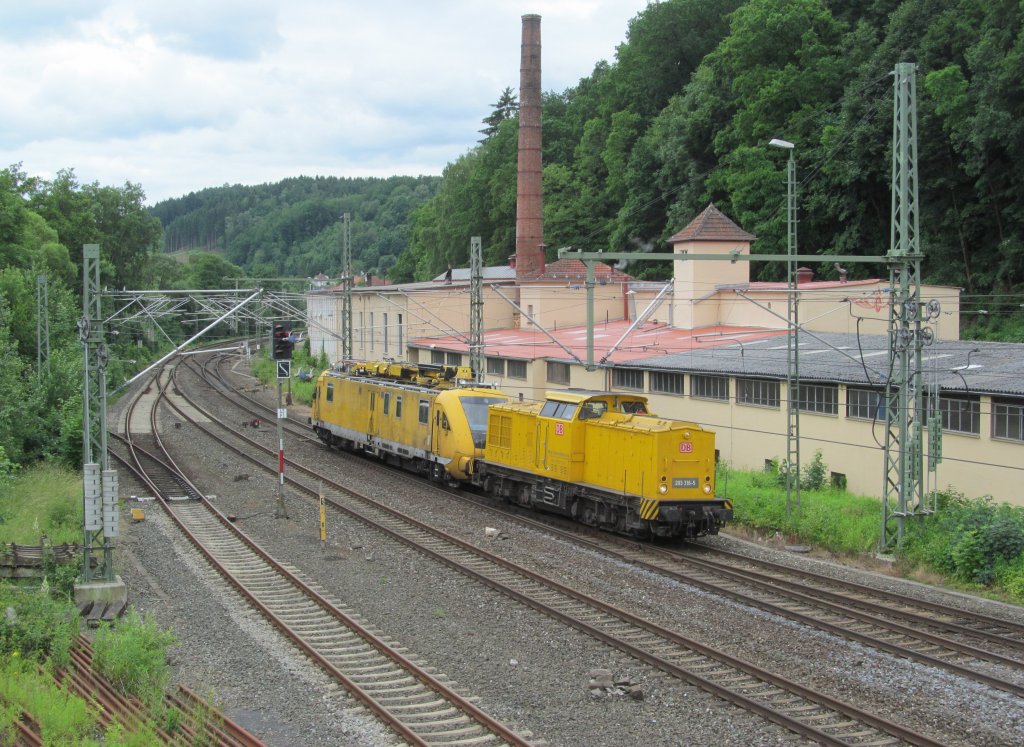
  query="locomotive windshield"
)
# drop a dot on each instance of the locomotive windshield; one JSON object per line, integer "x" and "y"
{"x": 476, "y": 413}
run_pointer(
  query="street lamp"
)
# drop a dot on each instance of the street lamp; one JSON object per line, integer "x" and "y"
{"x": 793, "y": 330}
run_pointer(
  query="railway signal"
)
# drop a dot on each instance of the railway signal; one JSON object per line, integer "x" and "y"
{"x": 282, "y": 343}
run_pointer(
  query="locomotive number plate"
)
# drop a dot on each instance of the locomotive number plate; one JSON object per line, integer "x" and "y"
{"x": 684, "y": 482}
{"x": 686, "y": 447}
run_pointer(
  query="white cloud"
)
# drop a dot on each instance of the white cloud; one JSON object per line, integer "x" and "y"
{"x": 185, "y": 95}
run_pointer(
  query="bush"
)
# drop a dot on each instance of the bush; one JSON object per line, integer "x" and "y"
{"x": 35, "y": 626}
{"x": 815, "y": 473}
{"x": 133, "y": 656}
{"x": 974, "y": 541}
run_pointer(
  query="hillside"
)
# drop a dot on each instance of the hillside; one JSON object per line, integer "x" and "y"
{"x": 292, "y": 227}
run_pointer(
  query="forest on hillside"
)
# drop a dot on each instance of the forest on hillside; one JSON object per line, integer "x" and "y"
{"x": 683, "y": 115}
{"x": 293, "y": 227}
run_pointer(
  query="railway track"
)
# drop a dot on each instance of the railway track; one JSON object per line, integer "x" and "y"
{"x": 986, "y": 649}
{"x": 421, "y": 707}
{"x": 789, "y": 704}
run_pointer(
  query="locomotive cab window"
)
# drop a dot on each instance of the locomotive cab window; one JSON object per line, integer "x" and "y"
{"x": 444, "y": 422}
{"x": 558, "y": 410}
{"x": 592, "y": 410}
{"x": 330, "y": 391}
{"x": 476, "y": 413}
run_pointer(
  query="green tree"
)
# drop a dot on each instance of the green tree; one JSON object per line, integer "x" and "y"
{"x": 507, "y": 107}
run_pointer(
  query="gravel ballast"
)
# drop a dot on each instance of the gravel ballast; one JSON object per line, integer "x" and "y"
{"x": 528, "y": 670}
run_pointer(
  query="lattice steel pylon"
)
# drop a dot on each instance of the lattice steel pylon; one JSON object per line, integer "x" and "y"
{"x": 476, "y": 308}
{"x": 902, "y": 491}
{"x": 346, "y": 289}
{"x": 95, "y": 460}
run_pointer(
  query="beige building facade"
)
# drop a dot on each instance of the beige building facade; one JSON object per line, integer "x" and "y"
{"x": 712, "y": 348}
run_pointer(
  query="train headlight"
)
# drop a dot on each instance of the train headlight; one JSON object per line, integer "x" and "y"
{"x": 663, "y": 488}
{"x": 707, "y": 490}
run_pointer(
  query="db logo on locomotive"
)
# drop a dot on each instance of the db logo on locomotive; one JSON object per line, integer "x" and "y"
{"x": 686, "y": 447}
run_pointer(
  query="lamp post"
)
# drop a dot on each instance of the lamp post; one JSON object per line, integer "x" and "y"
{"x": 793, "y": 334}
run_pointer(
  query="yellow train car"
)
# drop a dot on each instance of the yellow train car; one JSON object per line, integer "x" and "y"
{"x": 424, "y": 418}
{"x": 602, "y": 459}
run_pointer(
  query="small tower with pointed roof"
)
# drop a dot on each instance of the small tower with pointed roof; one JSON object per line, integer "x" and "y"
{"x": 697, "y": 282}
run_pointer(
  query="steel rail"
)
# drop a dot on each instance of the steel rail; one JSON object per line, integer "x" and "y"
{"x": 459, "y": 702}
{"x": 882, "y": 725}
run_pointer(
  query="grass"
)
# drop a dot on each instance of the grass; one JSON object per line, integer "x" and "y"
{"x": 133, "y": 656}
{"x": 38, "y": 628}
{"x": 829, "y": 517}
{"x": 63, "y": 718}
{"x": 44, "y": 499}
{"x": 972, "y": 544}
{"x": 35, "y": 640}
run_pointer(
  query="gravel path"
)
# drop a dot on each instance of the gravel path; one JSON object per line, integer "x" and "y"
{"x": 526, "y": 669}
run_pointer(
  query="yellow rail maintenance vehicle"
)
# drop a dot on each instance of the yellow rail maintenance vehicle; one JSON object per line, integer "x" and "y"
{"x": 602, "y": 459}
{"x": 426, "y": 418}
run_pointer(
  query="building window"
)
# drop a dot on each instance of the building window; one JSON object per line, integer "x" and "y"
{"x": 496, "y": 366}
{"x": 372, "y": 335}
{"x": 454, "y": 359}
{"x": 437, "y": 356}
{"x": 820, "y": 398}
{"x": 401, "y": 338}
{"x": 628, "y": 378}
{"x": 960, "y": 414}
{"x": 709, "y": 387}
{"x": 759, "y": 392}
{"x": 362, "y": 334}
{"x": 666, "y": 383}
{"x": 558, "y": 373}
{"x": 1007, "y": 420}
{"x": 385, "y": 334}
{"x": 398, "y": 406}
{"x": 424, "y": 411}
{"x": 517, "y": 369}
{"x": 330, "y": 391}
{"x": 865, "y": 404}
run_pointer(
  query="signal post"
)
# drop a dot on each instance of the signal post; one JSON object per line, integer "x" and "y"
{"x": 282, "y": 345}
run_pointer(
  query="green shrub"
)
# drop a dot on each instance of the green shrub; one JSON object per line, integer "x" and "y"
{"x": 968, "y": 540}
{"x": 35, "y": 626}
{"x": 1010, "y": 576}
{"x": 814, "y": 474}
{"x": 133, "y": 656}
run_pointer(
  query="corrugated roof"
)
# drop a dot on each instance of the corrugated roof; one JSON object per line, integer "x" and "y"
{"x": 956, "y": 365}
{"x": 712, "y": 225}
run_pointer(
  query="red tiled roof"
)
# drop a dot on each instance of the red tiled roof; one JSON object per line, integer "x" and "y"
{"x": 712, "y": 225}
{"x": 575, "y": 270}
{"x": 645, "y": 341}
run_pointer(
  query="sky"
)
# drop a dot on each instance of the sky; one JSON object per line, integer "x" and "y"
{"x": 180, "y": 95}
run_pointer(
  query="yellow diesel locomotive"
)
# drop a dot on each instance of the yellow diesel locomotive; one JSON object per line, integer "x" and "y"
{"x": 599, "y": 458}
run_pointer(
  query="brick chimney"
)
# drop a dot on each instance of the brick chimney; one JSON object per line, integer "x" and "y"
{"x": 529, "y": 192}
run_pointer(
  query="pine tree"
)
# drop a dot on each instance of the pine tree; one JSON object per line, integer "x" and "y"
{"x": 506, "y": 108}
